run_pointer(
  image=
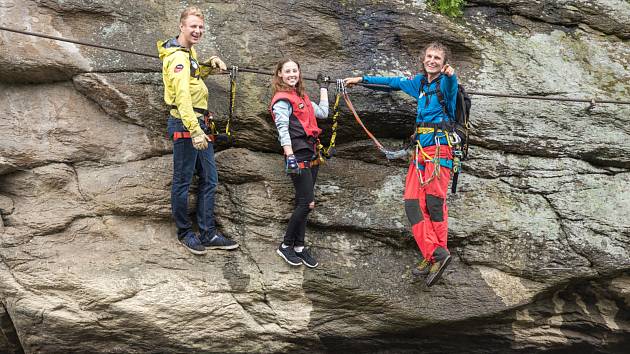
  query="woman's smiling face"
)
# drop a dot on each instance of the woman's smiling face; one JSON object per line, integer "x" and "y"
{"x": 290, "y": 73}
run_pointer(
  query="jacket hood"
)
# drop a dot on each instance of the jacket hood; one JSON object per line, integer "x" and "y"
{"x": 166, "y": 48}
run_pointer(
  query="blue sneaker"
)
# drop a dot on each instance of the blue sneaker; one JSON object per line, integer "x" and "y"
{"x": 288, "y": 254}
{"x": 192, "y": 243}
{"x": 218, "y": 242}
{"x": 307, "y": 258}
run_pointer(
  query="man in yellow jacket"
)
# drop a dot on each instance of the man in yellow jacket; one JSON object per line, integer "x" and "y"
{"x": 187, "y": 96}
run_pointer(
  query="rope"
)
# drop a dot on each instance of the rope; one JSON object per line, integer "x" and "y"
{"x": 257, "y": 71}
{"x": 341, "y": 89}
{"x": 356, "y": 117}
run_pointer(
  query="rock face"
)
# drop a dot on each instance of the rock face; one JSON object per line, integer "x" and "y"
{"x": 89, "y": 261}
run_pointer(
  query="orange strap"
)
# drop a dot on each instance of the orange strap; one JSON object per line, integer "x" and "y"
{"x": 186, "y": 135}
{"x": 308, "y": 164}
{"x": 181, "y": 135}
{"x": 356, "y": 116}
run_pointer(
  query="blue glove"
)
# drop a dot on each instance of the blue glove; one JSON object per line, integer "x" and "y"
{"x": 292, "y": 166}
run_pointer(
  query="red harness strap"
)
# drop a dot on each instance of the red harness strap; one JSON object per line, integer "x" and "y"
{"x": 308, "y": 164}
{"x": 186, "y": 135}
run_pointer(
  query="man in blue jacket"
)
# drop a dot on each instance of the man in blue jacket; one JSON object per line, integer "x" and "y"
{"x": 429, "y": 173}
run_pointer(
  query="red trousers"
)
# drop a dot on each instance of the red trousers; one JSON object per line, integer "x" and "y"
{"x": 425, "y": 206}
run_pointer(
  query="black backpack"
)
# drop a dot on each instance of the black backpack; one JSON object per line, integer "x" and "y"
{"x": 462, "y": 118}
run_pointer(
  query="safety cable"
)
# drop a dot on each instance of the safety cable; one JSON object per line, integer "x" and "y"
{"x": 269, "y": 73}
{"x": 35, "y": 34}
{"x": 256, "y": 71}
{"x": 545, "y": 98}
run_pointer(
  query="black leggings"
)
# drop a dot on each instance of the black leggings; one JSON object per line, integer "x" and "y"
{"x": 304, "y": 184}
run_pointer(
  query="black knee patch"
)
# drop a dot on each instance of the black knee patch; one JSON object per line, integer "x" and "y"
{"x": 412, "y": 208}
{"x": 435, "y": 207}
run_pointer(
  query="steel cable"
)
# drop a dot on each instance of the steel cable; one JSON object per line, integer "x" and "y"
{"x": 592, "y": 101}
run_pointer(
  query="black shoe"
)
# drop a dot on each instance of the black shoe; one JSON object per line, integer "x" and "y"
{"x": 218, "y": 242}
{"x": 306, "y": 258}
{"x": 422, "y": 268}
{"x": 442, "y": 259}
{"x": 288, "y": 254}
{"x": 192, "y": 243}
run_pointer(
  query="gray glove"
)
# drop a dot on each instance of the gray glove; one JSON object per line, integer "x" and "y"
{"x": 200, "y": 142}
{"x": 323, "y": 81}
{"x": 392, "y": 155}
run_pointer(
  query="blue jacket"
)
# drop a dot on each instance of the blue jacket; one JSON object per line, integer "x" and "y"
{"x": 429, "y": 108}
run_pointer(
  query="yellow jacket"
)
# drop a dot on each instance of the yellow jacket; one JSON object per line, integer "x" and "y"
{"x": 183, "y": 83}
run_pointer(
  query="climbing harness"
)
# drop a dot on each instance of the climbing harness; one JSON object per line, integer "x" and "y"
{"x": 420, "y": 153}
{"x": 421, "y": 157}
{"x": 208, "y": 117}
{"x": 309, "y": 164}
{"x": 186, "y": 135}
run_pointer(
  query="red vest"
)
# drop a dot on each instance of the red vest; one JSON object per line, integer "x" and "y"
{"x": 302, "y": 123}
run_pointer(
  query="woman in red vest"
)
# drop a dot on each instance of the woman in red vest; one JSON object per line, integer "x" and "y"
{"x": 295, "y": 117}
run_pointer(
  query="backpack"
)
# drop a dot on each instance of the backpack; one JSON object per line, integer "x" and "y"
{"x": 462, "y": 118}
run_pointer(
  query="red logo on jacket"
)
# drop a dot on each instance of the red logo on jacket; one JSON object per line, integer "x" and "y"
{"x": 178, "y": 68}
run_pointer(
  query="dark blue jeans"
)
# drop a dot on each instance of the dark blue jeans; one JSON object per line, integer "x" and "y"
{"x": 186, "y": 162}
